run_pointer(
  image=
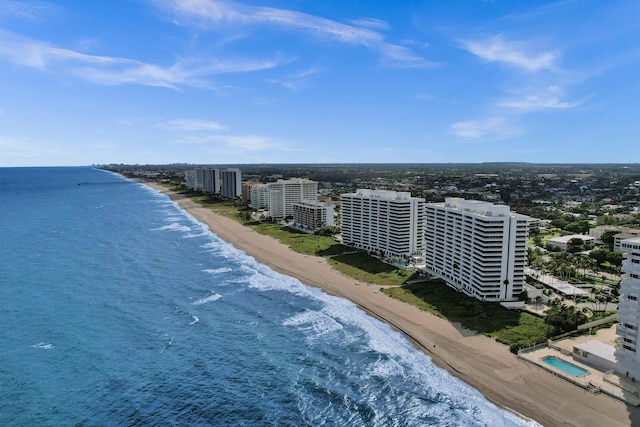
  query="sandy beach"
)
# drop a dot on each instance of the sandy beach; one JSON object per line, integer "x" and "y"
{"x": 479, "y": 361}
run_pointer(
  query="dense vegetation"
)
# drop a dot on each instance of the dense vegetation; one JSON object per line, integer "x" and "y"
{"x": 516, "y": 329}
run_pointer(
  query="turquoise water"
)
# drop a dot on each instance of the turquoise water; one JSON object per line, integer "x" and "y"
{"x": 120, "y": 309}
{"x": 564, "y": 366}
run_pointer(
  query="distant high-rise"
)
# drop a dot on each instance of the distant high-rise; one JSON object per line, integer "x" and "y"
{"x": 206, "y": 180}
{"x": 628, "y": 328}
{"x": 388, "y": 223}
{"x": 231, "y": 183}
{"x": 260, "y": 196}
{"x": 477, "y": 247}
{"x": 284, "y": 193}
{"x": 246, "y": 191}
{"x": 211, "y": 180}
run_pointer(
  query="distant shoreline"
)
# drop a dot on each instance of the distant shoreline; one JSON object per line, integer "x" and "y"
{"x": 479, "y": 361}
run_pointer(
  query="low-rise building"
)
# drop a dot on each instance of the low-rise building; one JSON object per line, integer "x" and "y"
{"x": 562, "y": 242}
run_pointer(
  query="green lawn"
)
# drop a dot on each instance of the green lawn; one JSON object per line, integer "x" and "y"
{"x": 514, "y": 328}
{"x": 310, "y": 244}
{"x": 365, "y": 268}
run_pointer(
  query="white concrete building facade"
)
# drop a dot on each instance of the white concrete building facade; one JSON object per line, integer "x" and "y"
{"x": 231, "y": 186}
{"x": 284, "y": 193}
{"x": 211, "y": 180}
{"x": 477, "y": 248}
{"x": 311, "y": 215}
{"x": 260, "y": 196}
{"x": 628, "y": 328}
{"x": 388, "y": 223}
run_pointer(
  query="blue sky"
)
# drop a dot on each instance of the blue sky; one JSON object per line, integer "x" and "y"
{"x": 301, "y": 81}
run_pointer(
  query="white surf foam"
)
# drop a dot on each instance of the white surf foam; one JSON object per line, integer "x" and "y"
{"x": 43, "y": 346}
{"x": 172, "y": 227}
{"x": 217, "y": 270}
{"x": 313, "y": 323}
{"x": 210, "y": 298}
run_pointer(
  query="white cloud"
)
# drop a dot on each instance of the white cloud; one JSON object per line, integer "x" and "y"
{"x": 247, "y": 142}
{"x": 423, "y": 96}
{"x": 235, "y": 142}
{"x": 295, "y": 82}
{"x": 32, "y": 11}
{"x": 192, "y": 125}
{"x": 490, "y": 128}
{"x": 549, "y": 99}
{"x": 107, "y": 70}
{"x": 373, "y": 23}
{"x": 20, "y": 148}
{"x": 217, "y": 13}
{"x": 517, "y": 54}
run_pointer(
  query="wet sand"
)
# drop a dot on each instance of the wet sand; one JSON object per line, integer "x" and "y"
{"x": 477, "y": 360}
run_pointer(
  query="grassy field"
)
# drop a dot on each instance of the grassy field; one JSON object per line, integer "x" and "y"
{"x": 365, "y": 268}
{"x": 513, "y": 328}
{"x": 309, "y": 244}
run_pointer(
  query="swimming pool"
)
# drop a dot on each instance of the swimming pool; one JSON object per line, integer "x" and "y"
{"x": 565, "y": 366}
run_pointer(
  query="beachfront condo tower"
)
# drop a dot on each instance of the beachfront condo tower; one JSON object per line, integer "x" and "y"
{"x": 628, "y": 328}
{"x": 311, "y": 215}
{"x": 389, "y": 224}
{"x": 260, "y": 196}
{"x": 206, "y": 180}
{"x": 285, "y": 192}
{"x": 231, "y": 187}
{"x": 211, "y": 180}
{"x": 477, "y": 248}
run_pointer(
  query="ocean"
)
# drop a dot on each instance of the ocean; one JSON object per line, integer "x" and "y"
{"x": 120, "y": 309}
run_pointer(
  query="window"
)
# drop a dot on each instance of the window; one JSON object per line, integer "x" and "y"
{"x": 632, "y": 297}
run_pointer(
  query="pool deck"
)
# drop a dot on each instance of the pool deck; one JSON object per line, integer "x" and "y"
{"x": 596, "y": 380}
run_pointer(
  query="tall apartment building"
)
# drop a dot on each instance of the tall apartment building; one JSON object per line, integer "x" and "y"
{"x": 284, "y": 193}
{"x": 199, "y": 183}
{"x": 260, "y": 196}
{"x": 311, "y": 215}
{"x": 628, "y": 329}
{"x": 388, "y": 223}
{"x": 231, "y": 186}
{"x": 477, "y": 247}
{"x": 246, "y": 191}
{"x": 206, "y": 180}
{"x": 211, "y": 180}
{"x": 190, "y": 178}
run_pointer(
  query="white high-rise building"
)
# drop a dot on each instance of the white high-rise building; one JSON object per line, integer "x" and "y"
{"x": 260, "y": 196}
{"x": 311, "y": 215}
{"x": 211, "y": 180}
{"x": 231, "y": 186}
{"x": 477, "y": 247}
{"x": 628, "y": 329}
{"x": 284, "y": 193}
{"x": 199, "y": 183}
{"x": 388, "y": 223}
{"x": 190, "y": 178}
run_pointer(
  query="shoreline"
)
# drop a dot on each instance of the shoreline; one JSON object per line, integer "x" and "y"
{"x": 486, "y": 365}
